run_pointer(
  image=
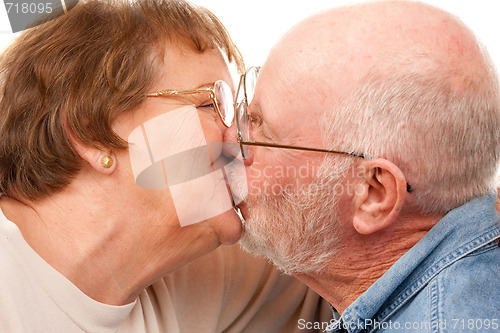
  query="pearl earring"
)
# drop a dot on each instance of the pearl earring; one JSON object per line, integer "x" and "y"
{"x": 107, "y": 162}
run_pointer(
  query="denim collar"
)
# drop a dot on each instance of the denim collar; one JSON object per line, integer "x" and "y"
{"x": 460, "y": 232}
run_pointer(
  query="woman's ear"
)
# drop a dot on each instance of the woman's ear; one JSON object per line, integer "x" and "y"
{"x": 379, "y": 196}
{"x": 101, "y": 161}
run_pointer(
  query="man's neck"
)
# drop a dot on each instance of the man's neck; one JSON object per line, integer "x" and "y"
{"x": 363, "y": 260}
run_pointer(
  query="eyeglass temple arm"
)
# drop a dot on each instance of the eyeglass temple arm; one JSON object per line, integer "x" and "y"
{"x": 261, "y": 144}
{"x": 175, "y": 92}
{"x": 235, "y": 104}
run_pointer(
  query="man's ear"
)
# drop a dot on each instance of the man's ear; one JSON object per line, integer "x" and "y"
{"x": 101, "y": 161}
{"x": 379, "y": 196}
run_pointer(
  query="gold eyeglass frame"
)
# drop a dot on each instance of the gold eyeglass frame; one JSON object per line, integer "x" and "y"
{"x": 210, "y": 90}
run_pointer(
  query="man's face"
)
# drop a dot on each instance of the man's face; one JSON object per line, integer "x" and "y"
{"x": 290, "y": 210}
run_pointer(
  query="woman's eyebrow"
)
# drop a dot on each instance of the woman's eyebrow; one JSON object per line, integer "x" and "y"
{"x": 203, "y": 85}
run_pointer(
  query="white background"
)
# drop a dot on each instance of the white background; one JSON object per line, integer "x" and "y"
{"x": 256, "y": 25}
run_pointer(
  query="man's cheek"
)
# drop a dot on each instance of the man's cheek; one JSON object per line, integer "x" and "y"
{"x": 255, "y": 189}
{"x": 256, "y": 182}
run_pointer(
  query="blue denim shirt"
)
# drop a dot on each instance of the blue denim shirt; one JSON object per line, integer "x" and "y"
{"x": 448, "y": 282}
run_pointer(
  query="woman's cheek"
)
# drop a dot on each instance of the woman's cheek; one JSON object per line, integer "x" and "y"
{"x": 213, "y": 135}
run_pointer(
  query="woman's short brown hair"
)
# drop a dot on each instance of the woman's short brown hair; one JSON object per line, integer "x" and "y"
{"x": 81, "y": 71}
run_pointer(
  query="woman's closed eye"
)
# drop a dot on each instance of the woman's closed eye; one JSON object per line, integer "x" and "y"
{"x": 208, "y": 106}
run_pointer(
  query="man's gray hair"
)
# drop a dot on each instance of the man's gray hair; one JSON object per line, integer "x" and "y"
{"x": 438, "y": 124}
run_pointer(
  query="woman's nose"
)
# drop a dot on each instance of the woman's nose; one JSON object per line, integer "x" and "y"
{"x": 231, "y": 147}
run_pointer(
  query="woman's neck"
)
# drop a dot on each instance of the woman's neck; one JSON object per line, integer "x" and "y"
{"x": 106, "y": 252}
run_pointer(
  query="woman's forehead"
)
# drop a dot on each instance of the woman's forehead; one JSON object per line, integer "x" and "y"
{"x": 185, "y": 68}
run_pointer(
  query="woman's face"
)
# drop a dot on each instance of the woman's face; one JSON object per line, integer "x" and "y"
{"x": 172, "y": 171}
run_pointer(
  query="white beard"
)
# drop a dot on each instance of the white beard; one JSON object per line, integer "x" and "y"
{"x": 298, "y": 231}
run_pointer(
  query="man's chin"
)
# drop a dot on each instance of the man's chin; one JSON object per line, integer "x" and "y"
{"x": 259, "y": 247}
{"x": 249, "y": 242}
{"x": 251, "y": 238}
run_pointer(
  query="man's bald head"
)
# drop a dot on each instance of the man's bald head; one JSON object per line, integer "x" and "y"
{"x": 399, "y": 80}
{"x": 346, "y": 43}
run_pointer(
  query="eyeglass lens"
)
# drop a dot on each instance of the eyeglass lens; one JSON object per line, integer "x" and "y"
{"x": 243, "y": 127}
{"x": 242, "y": 120}
{"x": 224, "y": 99}
{"x": 250, "y": 81}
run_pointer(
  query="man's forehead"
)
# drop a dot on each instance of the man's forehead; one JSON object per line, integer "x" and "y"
{"x": 284, "y": 122}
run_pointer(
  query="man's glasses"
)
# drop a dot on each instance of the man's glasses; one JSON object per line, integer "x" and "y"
{"x": 243, "y": 119}
{"x": 246, "y": 90}
{"x": 220, "y": 93}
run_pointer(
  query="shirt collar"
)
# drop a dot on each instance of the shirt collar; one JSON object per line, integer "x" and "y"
{"x": 460, "y": 232}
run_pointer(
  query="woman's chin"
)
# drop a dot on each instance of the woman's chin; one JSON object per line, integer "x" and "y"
{"x": 227, "y": 226}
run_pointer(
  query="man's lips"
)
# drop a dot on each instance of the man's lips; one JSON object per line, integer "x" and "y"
{"x": 243, "y": 209}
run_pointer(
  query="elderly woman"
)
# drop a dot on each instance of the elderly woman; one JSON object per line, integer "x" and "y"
{"x": 98, "y": 109}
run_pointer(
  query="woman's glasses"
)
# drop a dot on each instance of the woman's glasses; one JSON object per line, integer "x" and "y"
{"x": 220, "y": 93}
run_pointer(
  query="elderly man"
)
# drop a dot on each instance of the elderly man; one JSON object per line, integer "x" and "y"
{"x": 371, "y": 147}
